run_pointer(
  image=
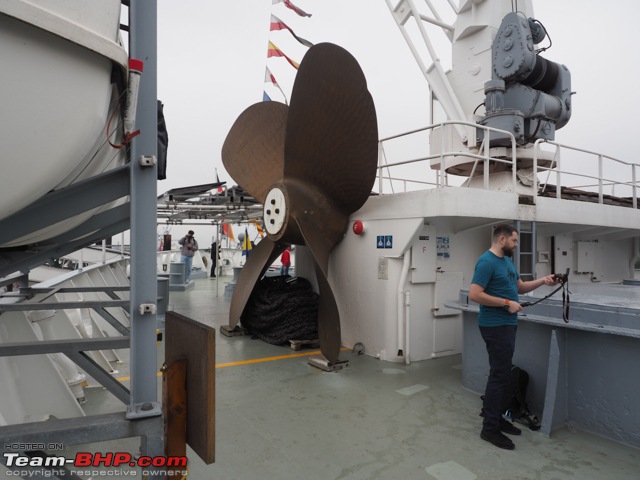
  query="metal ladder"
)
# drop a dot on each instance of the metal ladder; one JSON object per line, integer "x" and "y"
{"x": 525, "y": 254}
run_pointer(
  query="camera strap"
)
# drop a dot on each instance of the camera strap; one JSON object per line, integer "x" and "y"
{"x": 565, "y": 300}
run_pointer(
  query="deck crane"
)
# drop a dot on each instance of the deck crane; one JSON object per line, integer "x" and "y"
{"x": 496, "y": 63}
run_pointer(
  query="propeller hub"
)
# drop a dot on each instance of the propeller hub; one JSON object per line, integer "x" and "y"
{"x": 275, "y": 211}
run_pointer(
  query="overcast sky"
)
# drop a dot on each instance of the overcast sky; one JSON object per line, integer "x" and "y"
{"x": 212, "y": 58}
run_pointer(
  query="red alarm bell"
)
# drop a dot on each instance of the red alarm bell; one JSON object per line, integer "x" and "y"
{"x": 358, "y": 227}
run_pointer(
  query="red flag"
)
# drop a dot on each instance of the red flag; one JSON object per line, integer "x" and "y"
{"x": 277, "y": 24}
{"x": 269, "y": 78}
{"x": 291, "y": 6}
{"x": 274, "y": 51}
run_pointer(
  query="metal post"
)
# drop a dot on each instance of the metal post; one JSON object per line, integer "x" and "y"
{"x": 217, "y": 259}
{"x": 633, "y": 179}
{"x": 514, "y": 166}
{"x": 23, "y": 279}
{"x": 380, "y": 154}
{"x": 143, "y": 46}
{"x": 534, "y": 248}
{"x": 600, "y": 174}
{"x": 536, "y": 147}
{"x": 559, "y": 173}
{"x": 485, "y": 177}
{"x": 440, "y": 182}
{"x": 516, "y": 256}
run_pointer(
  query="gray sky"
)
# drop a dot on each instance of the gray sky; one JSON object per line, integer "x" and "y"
{"x": 212, "y": 57}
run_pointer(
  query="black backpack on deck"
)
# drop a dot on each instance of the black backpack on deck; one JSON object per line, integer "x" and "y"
{"x": 516, "y": 408}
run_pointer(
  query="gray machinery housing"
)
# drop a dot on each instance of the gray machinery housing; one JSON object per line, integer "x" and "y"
{"x": 527, "y": 95}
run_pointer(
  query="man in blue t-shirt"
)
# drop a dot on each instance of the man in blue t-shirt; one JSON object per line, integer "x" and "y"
{"x": 495, "y": 286}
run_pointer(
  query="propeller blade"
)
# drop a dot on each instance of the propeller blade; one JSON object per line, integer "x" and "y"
{"x": 263, "y": 255}
{"x": 331, "y": 136}
{"x": 328, "y": 315}
{"x": 253, "y": 152}
{"x": 328, "y": 320}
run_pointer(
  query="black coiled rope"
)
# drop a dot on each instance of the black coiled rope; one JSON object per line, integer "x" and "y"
{"x": 281, "y": 309}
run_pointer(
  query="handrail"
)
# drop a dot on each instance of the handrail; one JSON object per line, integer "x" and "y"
{"x": 442, "y": 178}
{"x": 601, "y": 180}
{"x": 483, "y": 154}
{"x": 410, "y": 180}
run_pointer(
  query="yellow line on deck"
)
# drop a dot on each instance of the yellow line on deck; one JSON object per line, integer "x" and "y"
{"x": 253, "y": 360}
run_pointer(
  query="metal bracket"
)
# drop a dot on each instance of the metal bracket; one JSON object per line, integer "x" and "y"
{"x": 147, "y": 160}
{"x": 143, "y": 410}
{"x": 148, "y": 308}
{"x": 319, "y": 361}
{"x": 236, "y": 331}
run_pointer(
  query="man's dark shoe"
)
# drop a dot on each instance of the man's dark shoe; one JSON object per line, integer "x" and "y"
{"x": 508, "y": 427}
{"x": 498, "y": 439}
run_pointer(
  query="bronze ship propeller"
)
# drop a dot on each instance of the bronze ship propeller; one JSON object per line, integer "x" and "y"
{"x": 311, "y": 165}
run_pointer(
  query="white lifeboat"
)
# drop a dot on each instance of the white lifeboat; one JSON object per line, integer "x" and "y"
{"x": 60, "y": 59}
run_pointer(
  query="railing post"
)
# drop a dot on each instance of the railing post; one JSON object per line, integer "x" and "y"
{"x": 633, "y": 178}
{"x": 380, "y": 153}
{"x": 440, "y": 176}
{"x": 514, "y": 163}
{"x": 485, "y": 169}
{"x": 536, "y": 145}
{"x": 600, "y": 194}
{"x": 559, "y": 174}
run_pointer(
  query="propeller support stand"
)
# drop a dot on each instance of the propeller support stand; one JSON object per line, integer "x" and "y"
{"x": 319, "y": 361}
{"x": 237, "y": 331}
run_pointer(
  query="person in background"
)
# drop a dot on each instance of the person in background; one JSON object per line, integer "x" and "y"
{"x": 495, "y": 286}
{"x": 285, "y": 260}
{"x": 188, "y": 247}
{"x": 214, "y": 258}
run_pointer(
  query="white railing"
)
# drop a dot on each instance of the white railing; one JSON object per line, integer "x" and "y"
{"x": 611, "y": 175}
{"x": 441, "y": 176}
{"x": 601, "y": 181}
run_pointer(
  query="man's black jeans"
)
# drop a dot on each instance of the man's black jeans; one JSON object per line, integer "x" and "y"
{"x": 501, "y": 342}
